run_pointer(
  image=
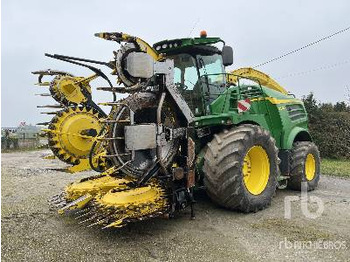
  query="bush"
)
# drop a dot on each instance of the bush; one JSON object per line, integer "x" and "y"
{"x": 330, "y": 127}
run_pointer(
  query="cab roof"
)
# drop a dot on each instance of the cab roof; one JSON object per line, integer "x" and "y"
{"x": 182, "y": 44}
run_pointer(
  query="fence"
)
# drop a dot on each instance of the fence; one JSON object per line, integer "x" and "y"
{"x": 8, "y": 144}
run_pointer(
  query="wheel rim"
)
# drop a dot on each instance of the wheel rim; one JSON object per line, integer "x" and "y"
{"x": 256, "y": 170}
{"x": 310, "y": 167}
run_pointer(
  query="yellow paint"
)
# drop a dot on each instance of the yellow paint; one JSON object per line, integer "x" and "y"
{"x": 76, "y": 204}
{"x": 113, "y": 198}
{"x": 256, "y": 75}
{"x": 256, "y": 170}
{"x": 131, "y": 197}
{"x": 134, "y": 203}
{"x": 310, "y": 167}
{"x": 71, "y": 134}
{"x": 67, "y": 134}
{"x": 117, "y": 223}
{"x": 71, "y": 88}
{"x": 276, "y": 101}
{"x": 144, "y": 46}
{"x": 43, "y": 84}
{"x": 94, "y": 186}
{"x": 82, "y": 166}
{"x": 67, "y": 131}
{"x": 49, "y": 157}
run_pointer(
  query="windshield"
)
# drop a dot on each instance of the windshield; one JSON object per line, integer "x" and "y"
{"x": 199, "y": 78}
{"x": 185, "y": 75}
{"x": 212, "y": 67}
{"x": 212, "y": 76}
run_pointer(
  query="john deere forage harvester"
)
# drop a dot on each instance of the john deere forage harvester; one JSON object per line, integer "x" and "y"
{"x": 188, "y": 123}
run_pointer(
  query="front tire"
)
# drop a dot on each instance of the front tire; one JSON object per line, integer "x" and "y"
{"x": 241, "y": 168}
{"x": 305, "y": 166}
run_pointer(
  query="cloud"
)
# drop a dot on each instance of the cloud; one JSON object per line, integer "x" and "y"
{"x": 257, "y": 30}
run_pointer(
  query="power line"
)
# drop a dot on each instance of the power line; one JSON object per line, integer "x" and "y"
{"x": 303, "y": 47}
{"x": 321, "y": 68}
{"x": 194, "y": 26}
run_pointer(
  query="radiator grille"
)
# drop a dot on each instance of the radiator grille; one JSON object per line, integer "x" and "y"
{"x": 296, "y": 112}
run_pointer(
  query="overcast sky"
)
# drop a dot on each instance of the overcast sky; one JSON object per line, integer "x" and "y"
{"x": 257, "y": 31}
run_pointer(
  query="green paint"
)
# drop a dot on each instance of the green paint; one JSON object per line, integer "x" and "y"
{"x": 214, "y": 102}
{"x": 177, "y": 45}
{"x": 276, "y": 118}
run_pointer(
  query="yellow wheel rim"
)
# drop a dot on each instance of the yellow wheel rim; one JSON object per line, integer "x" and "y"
{"x": 256, "y": 170}
{"x": 310, "y": 167}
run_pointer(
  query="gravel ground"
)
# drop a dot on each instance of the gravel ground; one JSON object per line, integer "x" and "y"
{"x": 30, "y": 232}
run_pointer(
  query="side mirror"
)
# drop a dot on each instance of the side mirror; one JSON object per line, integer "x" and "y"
{"x": 227, "y": 55}
{"x": 139, "y": 64}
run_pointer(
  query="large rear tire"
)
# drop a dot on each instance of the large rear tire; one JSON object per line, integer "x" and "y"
{"x": 305, "y": 166}
{"x": 241, "y": 168}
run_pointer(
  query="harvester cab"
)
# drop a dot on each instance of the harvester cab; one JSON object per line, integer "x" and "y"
{"x": 199, "y": 69}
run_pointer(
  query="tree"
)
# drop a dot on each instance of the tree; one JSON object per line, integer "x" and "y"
{"x": 310, "y": 103}
{"x": 329, "y": 126}
{"x": 341, "y": 107}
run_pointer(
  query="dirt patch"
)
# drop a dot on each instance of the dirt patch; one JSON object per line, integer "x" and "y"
{"x": 31, "y": 232}
{"x": 293, "y": 230}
